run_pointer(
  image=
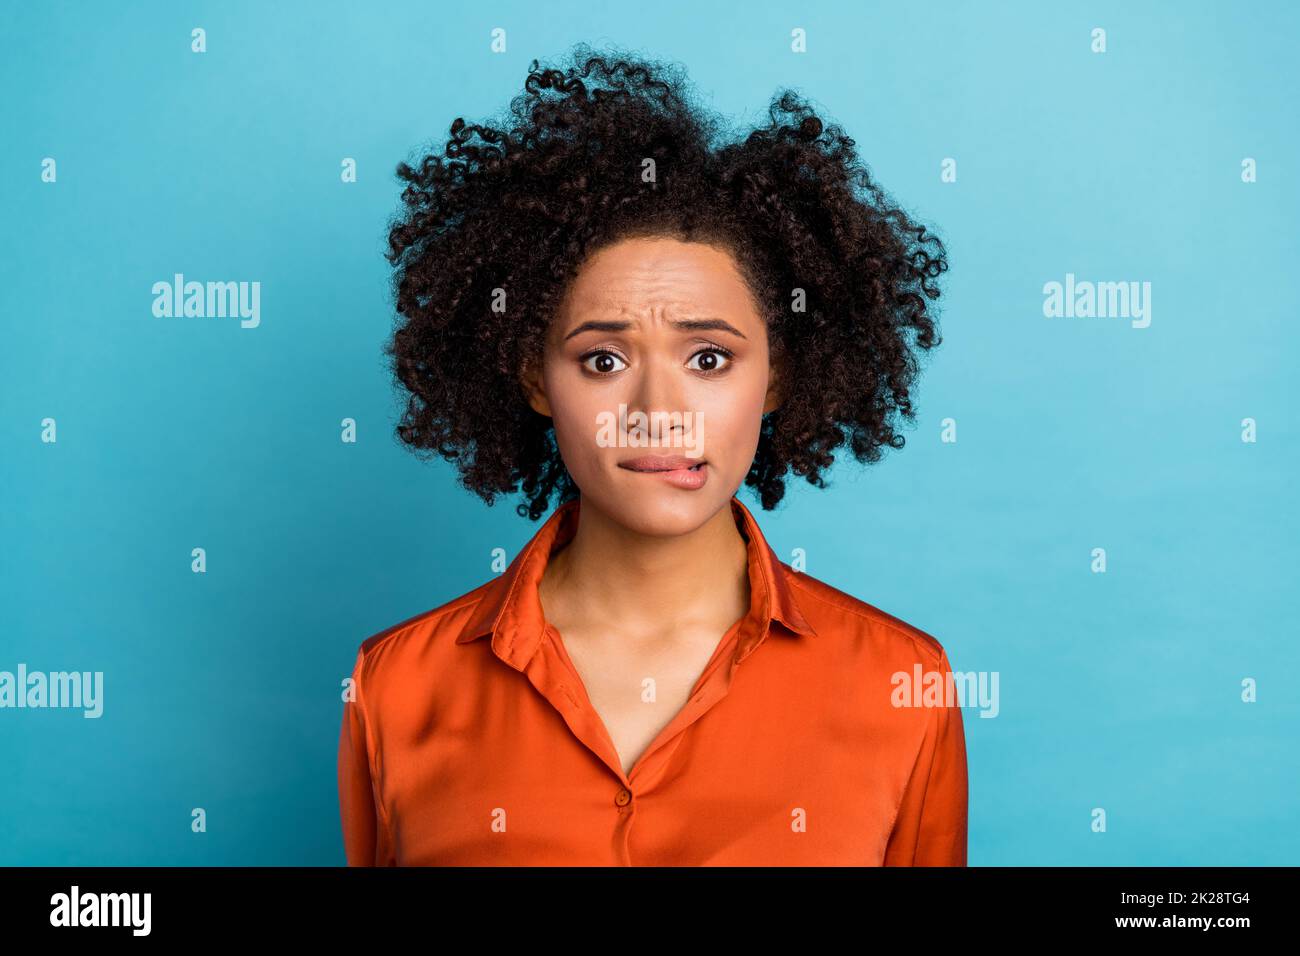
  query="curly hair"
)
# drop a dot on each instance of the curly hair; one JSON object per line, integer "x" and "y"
{"x": 519, "y": 204}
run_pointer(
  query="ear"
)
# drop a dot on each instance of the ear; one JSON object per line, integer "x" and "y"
{"x": 534, "y": 388}
{"x": 775, "y": 391}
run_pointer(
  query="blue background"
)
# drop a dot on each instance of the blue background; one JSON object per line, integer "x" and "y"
{"x": 1118, "y": 690}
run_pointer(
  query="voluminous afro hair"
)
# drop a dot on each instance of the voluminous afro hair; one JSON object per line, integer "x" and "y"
{"x": 518, "y": 205}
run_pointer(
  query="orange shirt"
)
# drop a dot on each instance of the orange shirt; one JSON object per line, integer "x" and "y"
{"x": 471, "y": 740}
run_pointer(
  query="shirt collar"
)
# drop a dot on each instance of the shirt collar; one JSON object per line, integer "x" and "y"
{"x": 511, "y": 611}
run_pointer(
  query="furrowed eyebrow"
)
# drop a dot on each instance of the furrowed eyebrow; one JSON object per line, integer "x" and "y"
{"x": 684, "y": 325}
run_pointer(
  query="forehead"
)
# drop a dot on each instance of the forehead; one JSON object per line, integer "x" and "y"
{"x": 659, "y": 274}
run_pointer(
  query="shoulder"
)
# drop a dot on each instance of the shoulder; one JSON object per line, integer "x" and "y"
{"x": 838, "y": 615}
{"x": 431, "y": 632}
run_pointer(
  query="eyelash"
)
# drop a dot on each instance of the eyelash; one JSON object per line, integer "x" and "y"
{"x": 726, "y": 352}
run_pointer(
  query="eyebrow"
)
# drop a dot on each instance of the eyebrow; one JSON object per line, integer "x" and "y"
{"x": 685, "y": 325}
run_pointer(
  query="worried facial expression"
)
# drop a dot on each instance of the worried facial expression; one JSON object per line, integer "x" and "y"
{"x": 656, "y": 375}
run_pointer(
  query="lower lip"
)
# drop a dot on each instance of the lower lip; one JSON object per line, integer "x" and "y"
{"x": 681, "y": 477}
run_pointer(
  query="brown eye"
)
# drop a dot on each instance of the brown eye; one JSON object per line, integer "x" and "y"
{"x": 604, "y": 362}
{"x": 712, "y": 359}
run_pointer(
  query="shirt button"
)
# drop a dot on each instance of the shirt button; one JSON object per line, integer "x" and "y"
{"x": 623, "y": 797}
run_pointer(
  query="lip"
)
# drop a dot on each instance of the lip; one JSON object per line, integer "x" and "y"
{"x": 660, "y": 463}
{"x": 676, "y": 470}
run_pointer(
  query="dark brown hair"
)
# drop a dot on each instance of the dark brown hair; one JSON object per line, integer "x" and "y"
{"x": 520, "y": 203}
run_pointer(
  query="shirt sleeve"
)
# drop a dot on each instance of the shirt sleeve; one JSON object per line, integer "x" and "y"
{"x": 930, "y": 828}
{"x": 362, "y": 827}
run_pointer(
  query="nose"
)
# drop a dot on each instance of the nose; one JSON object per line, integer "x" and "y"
{"x": 657, "y": 392}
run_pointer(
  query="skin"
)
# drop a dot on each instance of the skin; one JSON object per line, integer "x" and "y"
{"x": 655, "y": 575}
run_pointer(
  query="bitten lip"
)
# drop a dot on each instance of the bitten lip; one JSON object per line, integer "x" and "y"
{"x": 660, "y": 463}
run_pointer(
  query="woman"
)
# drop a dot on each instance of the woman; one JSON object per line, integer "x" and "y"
{"x": 603, "y": 305}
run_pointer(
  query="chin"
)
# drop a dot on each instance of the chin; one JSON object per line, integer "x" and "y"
{"x": 648, "y": 506}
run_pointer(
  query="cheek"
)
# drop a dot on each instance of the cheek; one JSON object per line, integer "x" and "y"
{"x": 737, "y": 410}
{"x": 575, "y": 440}
{"x": 574, "y": 411}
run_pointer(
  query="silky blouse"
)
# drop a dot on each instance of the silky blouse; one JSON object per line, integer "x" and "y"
{"x": 469, "y": 740}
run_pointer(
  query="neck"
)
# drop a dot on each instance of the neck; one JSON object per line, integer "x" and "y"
{"x": 650, "y": 585}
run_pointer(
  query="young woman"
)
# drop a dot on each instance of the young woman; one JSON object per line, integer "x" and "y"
{"x": 603, "y": 304}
